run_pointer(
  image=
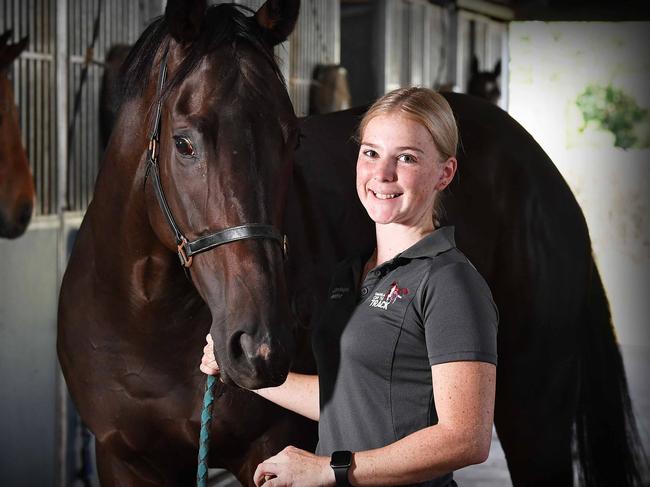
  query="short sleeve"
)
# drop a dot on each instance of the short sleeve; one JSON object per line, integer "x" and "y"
{"x": 459, "y": 315}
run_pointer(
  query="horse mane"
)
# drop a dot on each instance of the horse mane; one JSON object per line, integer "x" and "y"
{"x": 228, "y": 24}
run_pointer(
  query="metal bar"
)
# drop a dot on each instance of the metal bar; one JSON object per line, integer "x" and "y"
{"x": 487, "y": 8}
{"x": 505, "y": 72}
{"x": 52, "y": 120}
{"x": 380, "y": 43}
{"x": 38, "y": 122}
{"x": 62, "y": 157}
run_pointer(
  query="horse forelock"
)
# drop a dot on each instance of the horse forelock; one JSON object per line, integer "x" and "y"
{"x": 224, "y": 25}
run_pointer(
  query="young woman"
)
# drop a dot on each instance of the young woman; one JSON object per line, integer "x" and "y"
{"x": 406, "y": 346}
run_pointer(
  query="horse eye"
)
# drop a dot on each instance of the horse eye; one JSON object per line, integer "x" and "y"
{"x": 184, "y": 146}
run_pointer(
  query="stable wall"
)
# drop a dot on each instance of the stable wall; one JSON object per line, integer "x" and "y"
{"x": 28, "y": 363}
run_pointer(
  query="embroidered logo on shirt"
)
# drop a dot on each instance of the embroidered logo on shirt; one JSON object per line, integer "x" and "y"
{"x": 382, "y": 300}
{"x": 338, "y": 292}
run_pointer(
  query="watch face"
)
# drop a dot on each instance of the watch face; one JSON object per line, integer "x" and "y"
{"x": 341, "y": 459}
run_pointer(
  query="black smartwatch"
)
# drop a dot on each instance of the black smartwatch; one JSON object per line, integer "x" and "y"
{"x": 340, "y": 462}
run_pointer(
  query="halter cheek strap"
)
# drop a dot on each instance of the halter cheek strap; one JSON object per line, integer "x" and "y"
{"x": 187, "y": 249}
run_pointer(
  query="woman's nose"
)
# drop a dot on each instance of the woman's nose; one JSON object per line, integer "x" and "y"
{"x": 384, "y": 170}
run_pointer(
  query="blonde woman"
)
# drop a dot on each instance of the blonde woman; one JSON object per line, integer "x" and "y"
{"x": 406, "y": 346}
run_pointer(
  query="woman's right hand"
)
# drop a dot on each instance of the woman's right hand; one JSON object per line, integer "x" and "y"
{"x": 208, "y": 362}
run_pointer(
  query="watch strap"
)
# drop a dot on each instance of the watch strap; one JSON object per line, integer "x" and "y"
{"x": 340, "y": 463}
{"x": 341, "y": 476}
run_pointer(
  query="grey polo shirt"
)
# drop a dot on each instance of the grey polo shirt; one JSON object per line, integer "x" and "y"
{"x": 376, "y": 342}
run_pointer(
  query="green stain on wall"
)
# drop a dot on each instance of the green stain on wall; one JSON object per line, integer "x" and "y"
{"x": 613, "y": 110}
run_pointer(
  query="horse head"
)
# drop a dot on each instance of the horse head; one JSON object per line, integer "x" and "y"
{"x": 485, "y": 84}
{"x": 16, "y": 184}
{"x": 227, "y": 133}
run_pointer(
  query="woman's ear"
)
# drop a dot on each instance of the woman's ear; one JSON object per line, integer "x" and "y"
{"x": 277, "y": 18}
{"x": 185, "y": 19}
{"x": 448, "y": 171}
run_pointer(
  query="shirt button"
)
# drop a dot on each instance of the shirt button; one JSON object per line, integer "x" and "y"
{"x": 364, "y": 291}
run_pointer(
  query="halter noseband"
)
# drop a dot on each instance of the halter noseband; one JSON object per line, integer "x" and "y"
{"x": 187, "y": 249}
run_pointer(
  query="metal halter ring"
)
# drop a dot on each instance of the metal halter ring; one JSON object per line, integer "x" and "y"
{"x": 185, "y": 260}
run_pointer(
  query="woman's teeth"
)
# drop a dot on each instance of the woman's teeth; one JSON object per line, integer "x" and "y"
{"x": 383, "y": 196}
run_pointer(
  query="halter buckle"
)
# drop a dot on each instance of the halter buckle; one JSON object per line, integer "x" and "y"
{"x": 185, "y": 260}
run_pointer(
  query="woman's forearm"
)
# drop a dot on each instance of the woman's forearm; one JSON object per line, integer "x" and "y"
{"x": 423, "y": 455}
{"x": 299, "y": 394}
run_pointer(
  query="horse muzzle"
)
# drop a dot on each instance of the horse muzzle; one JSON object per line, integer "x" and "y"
{"x": 13, "y": 226}
{"x": 255, "y": 362}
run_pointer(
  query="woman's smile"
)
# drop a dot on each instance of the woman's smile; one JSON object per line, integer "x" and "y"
{"x": 384, "y": 196}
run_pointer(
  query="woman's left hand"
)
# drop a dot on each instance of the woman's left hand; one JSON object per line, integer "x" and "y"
{"x": 296, "y": 468}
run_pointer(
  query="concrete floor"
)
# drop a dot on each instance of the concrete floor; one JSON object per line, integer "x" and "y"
{"x": 494, "y": 472}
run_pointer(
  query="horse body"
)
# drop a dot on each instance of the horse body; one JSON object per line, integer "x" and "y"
{"x": 16, "y": 184}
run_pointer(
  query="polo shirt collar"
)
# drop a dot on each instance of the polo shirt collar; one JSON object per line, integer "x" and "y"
{"x": 438, "y": 241}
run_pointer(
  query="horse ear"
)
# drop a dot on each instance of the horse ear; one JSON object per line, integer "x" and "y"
{"x": 474, "y": 66}
{"x": 278, "y": 19}
{"x": 185, "y": 18}
{"x": 9, "y": 52}
{"x": 497, "y": 68}
{"x": 5, "y": 37}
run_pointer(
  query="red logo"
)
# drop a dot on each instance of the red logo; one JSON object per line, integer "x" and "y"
{"x": 395, "y": 292}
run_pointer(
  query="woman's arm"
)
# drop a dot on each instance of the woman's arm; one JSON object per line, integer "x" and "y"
{"x": 299, "y": 393}
{"x": 464, "y": 397}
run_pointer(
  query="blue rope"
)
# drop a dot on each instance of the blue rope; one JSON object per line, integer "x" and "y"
{"x": 204, "y": 437}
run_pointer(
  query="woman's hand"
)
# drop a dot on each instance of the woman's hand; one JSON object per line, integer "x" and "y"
{"x": 208, "y": 362}
{"x": 296, "y": 468}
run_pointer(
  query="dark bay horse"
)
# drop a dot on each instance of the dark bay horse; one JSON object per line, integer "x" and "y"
{"x": 131, "y": 325}
{"x": 16, "y": 183}
{"x": 485, "y": 84}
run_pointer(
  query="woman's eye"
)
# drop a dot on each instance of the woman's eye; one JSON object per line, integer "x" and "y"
{"x": 406, "y": 158}
{"x": 370, "y": 153}
{"x": 184, "y": 146}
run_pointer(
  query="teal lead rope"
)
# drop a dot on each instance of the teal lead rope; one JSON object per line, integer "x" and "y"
{"x": 204, "y": 437}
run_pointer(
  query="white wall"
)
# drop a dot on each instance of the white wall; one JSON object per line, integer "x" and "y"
{"x": 551, "y": 65}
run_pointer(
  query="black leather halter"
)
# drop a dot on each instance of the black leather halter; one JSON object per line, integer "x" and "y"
{"x": 187, "y": 249}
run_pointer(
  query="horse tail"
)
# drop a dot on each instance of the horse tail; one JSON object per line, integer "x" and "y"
{"x": 609, "y": 448}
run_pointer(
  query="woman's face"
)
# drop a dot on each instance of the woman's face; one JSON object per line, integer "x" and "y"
{"x": 399, "y": 171}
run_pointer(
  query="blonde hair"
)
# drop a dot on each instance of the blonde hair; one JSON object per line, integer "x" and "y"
{"x": 428, "y": 108}
{"x": 425, "y": 106}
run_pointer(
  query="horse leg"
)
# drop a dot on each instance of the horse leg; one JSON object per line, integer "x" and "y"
{"x": 534, "y": 422}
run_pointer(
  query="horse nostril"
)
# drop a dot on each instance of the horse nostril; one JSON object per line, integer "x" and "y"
{"x": 246, "y": 344}
{"x": 251, "y": 349}
{"x": 25, "y": 214}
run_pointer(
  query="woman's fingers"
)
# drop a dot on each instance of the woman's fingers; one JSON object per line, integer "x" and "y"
{"x": 208, "y": 362}
{"x": 265, "y": 472}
